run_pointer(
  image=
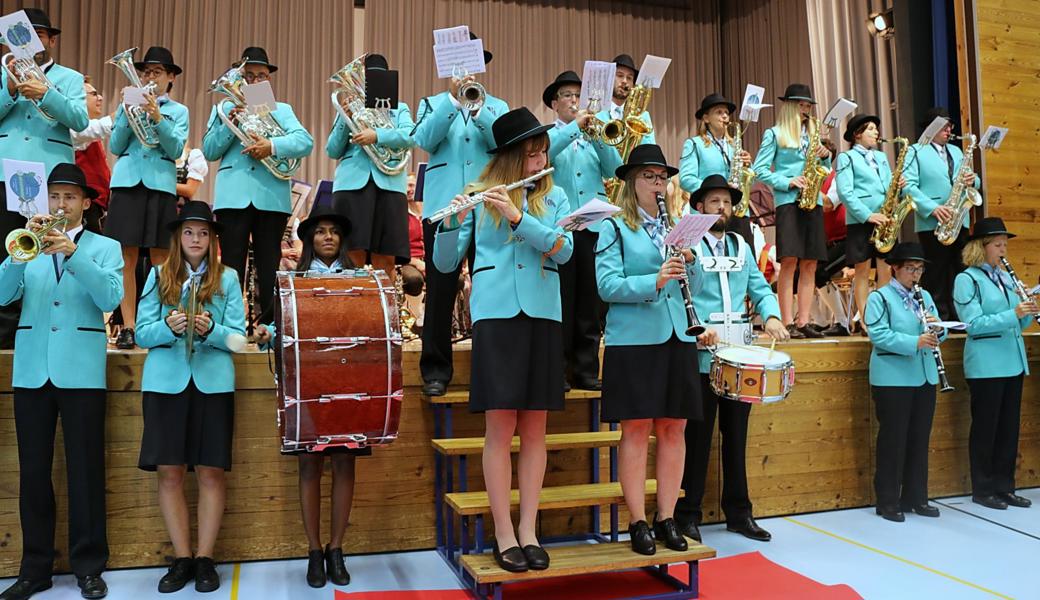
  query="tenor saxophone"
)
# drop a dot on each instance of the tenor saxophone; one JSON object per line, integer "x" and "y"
{"x": 962, "y": 198}
{"x": 626, "y": 133}
{"x": 813, "y": 172}
{"x": 896, "y": 206}
{"x": 740, "y": 176}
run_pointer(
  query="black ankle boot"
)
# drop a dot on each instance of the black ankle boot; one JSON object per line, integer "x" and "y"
{"x": 336, "y": 567}
{"x": 316, "y": 568}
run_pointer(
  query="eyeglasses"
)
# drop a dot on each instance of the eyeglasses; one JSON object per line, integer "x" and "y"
{"x": 914, "y": 270}
{"x": 654, "y": 177}
{"x": 154, "y": 72}
{"x": 568, "y": 95}
{"x": 252, "y": 77}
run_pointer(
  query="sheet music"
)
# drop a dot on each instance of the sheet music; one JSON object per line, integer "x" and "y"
{"x": 19, "y": 35}
{"x": 590, "y": 213}
{"x": 933, "y": 128}
{"x": 841, "y": 108}
{"x": 467, "y": 55}
{"x": 451, "y": 35}
{"x": 134, "y": 96}
{"x": 26, "y": 186}
{"x": 690, "y": 230}
{"x": 993, "y": 137}
{"x": 651, "y": 74}
{"x": 752, "y": 104}
{"x": 597, "y": 82}
{"x": 260, "y": 96}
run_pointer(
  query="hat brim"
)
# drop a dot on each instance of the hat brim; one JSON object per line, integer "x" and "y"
{"x": 850, "y": 131}
{"x": 48, "y": 29}
{"x": 87, "y": 190}
{"x": 986, "y": 234}
{"x": 269, "y": 66}
{"x": 487, "y": 57}
{"x": 698, "y": 196}
{"x": 530, "y": 133}
{"x": 623, "y": 170}
{"x": 700, "y": 112}
{"x": 312, "y": 222}
{"x": 796, "y": 99}
{"x": 140, "y": 66}
{"x": 173, "y": 225}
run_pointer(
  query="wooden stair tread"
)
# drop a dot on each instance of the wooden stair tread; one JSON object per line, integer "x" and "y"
{"x": 462, "y": 396}
{"x": 553, "y": 441}
{"x": 583, "y": 559}
{"x": 563, "y": 496}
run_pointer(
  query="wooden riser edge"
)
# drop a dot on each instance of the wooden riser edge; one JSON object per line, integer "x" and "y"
{"x": 559, "y": 497}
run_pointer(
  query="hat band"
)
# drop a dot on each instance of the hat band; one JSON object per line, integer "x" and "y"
{"x": 66, "y": 182}
{"x": 806, "y": 98}
{"x": 519, "y": 137}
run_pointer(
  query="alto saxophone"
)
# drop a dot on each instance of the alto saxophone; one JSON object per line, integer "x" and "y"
{"x": 896, "y": 206}
{"x": 626, "y": 133}
{"x": 962, "y": 197}
{"x": 740, "y": 176}
{"x": 813, "y": 172}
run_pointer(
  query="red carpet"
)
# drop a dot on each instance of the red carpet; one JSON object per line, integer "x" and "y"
{"x": 748, "y": 576}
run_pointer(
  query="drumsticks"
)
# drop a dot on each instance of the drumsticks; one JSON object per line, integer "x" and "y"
{"x": 772, "y": 347}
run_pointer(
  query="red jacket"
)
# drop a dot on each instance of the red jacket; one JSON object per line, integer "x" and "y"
{"x": 415, "y": 236}
{"x": 95, "y": 168}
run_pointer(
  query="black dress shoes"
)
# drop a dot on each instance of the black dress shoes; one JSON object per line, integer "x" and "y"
{"x": 92, "y": 587}
{"x": 890, "y": 513}
{"x": 537, "y": 558}
{"x": 181, "y": 572}
{"x": 336, "y": 567}
{"x": 434, "y": 388}
{"x": 1013, "y": 499}
{"x": 23, "y": 589}
{"x": 667, "y": 531}
{"x": 641, "y": 538}
{"x": 125, "y": 339}
{"x": 316, "y": 568}
{"x": 512, "y": 560}
{"x": 689, "y": 529}
{"x": 588, "y": 383}
{"x": 990, "y": 501}
{"x": 795, "y": 332}
{"x": 836, "y": 330}
{"x": 749, "y": 529}
{"x": 206, "y": 577}
{"x": 810, "y": 332}
{"x": 923, "y": 509}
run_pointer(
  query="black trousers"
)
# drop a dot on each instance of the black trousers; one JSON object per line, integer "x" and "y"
{"x": 945, "y": 263}
{"x": 580, "y": 300}
{"x": 82, "y": 413}
{"x": 904, "y": 417}
{"x": 733, "y": 426}
{"x": 9, "y": 315}
{"x": 266, "y": 229}
{"x": 993, "y": 439}
{"x": 435, "y": 359}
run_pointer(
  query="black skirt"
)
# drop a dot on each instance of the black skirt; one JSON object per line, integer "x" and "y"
{"x": 799, "y": 233}
{"x": 378, "y": 220}
{"x": 517, "y": 365}
{"x": 190, "y": 428}
{"x": 857, "y": 244}
{"x": 659, "y": 381}
{"x": 138, "y": 216}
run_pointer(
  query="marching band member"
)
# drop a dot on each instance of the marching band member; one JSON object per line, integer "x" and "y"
{"x": 995, "y": 363}
{"x": 144, "y": 180}
{"x": 516, "y": 297}
{"x": 373, "y": 201}
{"x": 28, "y": 135}
{"x": 800, "y": 239}
{"x": 724, "y": 292}
{"x": 458, "y": 142}
{"x": 711, "y": 151}
{"x": 648, "y": 382}
{"x": 59, "y": 371}
{"x": 930, "y": 171}
{"x": 189, "y": 403}
{"x": 863, "y": 177}
{"x": 581, "y": 166}
{"x": 903, "y": 375}
{"x": 252, "y": 204}
{"x": 624, "y": 80}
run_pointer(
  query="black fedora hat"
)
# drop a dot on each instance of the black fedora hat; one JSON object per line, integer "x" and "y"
{"x": 715, "y": 182}
{"x": 624, "y": 60}
{"x": 376, "y": 62}
{"x": 934, "y": 113}
{"x": 157, "y": 55}
{"x": 712, "y": 100}
{"x": 858, "y": 121}
{"x": 70, "y": 174}
{"x": 324, "y": 212}
{"x": 645, "y": 155}
{"x": 195, "y": 210}
{"x": 487, "y": 55}
{"x": 988, "y": 227}
{"x": 514, "y": 127}
{"x": 796, "y": 92}
{"x": 255, "y": 55}
{"x": 565, "y": 78}
{"x": 39, "y": 19}
{"x": 905, "y": 251}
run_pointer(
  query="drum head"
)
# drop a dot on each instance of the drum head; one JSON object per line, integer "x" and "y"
{"x": 754, "y": 355}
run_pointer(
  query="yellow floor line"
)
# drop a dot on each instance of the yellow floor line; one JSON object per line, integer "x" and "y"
{"x": 234, "y": 581}
{"x": 899, "y": 558}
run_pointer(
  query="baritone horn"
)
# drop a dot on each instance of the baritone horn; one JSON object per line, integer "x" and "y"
{"x": 140, "y": 123}
{"x": 27, "y": 243}
{"x": 21, "y": 70}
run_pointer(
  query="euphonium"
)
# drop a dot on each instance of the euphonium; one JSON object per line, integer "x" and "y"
{"x": 471, "y": 94}
{"x": 27, "y": 243}
{"x": 140, "y": 123}
{"x": 740, "y": 176}
{"x": 896, "y": 206}
{"x": 247, "y": 125}
{"x": 962, "y": 197}
{"x": 349, "y": 100}
{"x": 627, "y": 132}
{"x": 813, "y": 172}
{"x": 21, "y": 70}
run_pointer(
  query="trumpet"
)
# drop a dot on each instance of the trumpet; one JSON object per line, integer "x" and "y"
{"x": 1020, "y": 288}
{"x": 940, "y": 366}
{"x": 21, "y": 70}
{"x": 475, "y": 199}
{"x": 140, "y": 123}
{"x": 27, "y": 243}
{"x": 471, "y": 94}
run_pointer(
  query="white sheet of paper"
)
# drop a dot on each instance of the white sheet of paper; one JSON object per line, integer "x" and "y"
{"x": 451, "y": 35}
{"x": 468, "y": 56}
{"x": 690, "y": 230}
{"x": 933, "y": 128}
{"x": 752, "y": 103}
{"x": 841, "y": 108}
{"x": 651, "y": 74}
{"x": 590, "y": 213}
{"x": 22, "y": 176}
{"x": 19, "y": 35}
{"x": 597, "y": 81}
{"x": 993, "y": 137}
{"x": 956, "y": 325}
{"x": 260, "y": 96}
{"x": 134, "y": 96}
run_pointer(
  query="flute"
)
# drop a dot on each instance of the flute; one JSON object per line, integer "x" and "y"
{"x": 944, "y": 383}
{"x": 475, "y": 199}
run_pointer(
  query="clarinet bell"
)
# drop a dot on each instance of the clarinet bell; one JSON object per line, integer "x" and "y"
{"x": 695, "y": 330}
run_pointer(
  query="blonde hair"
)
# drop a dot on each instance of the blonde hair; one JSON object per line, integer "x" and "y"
{"x": 677, "y": 197}
{"x": 789, "y": 125}
{"x": 507, "y": 167}
{"x": 630, "y": 204}
{"x": 702, "y": 132}
{"x": 974, "y": 252}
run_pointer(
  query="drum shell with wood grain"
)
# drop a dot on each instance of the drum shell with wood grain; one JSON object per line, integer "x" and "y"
{"x": 751, "y": 374}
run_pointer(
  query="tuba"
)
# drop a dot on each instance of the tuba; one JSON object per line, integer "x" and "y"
{"x": 962, "y": 197}
{"x": 349, "y": 100}
{"x": 471, "y": 94}
{"x": 140, "y": 122}
{"x": 249, "y": 125}
{"x": 896, "y": 205}
{"x": 627, "y": 132}
{"x": 740, "y": 177}
{"x": 813, "y": 172}
{"x": 21, "y": 70}
{"x": 27, "y": 243}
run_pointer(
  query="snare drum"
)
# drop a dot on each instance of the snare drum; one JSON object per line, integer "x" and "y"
{"x": 339, "y": 360}
{"x": 751, "y": 374}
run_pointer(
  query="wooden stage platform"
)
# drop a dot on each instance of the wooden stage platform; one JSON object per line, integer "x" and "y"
{"x": 812, "y": 452}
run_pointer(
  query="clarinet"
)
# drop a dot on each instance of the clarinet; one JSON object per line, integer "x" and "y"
{"x": 693, "y": 324}
{"x": 250, "y": 292}
{"x": 1020, "y": 288}
{"x": 944, "y": 383}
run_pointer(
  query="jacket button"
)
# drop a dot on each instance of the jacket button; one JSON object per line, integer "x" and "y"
{"x": 54, "y": 328}
{"x": 469, "y": 162}
{"x": 578, "y": 174}
{"x": 56, "y": 303}
{"x": 467, "y": 139}
{"x": 519, "y": 266}
{"x": 27, "y": 139}
{"x": 252, "y": 168}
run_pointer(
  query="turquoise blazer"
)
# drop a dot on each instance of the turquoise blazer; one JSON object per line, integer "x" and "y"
{"x": 515, "y": 275}
{"x": 862, "y": 188}
{"x": 61, "y": 333}
{"x": 156, "y": 168}
{"x": 776, "y": 167}
{"x": 26, "y": 135}
{"x": 581, "y": 166}
{"x": 994, "y": 347}
{"x": 242, "y": 180}
{"x": 700, "y": 159}
{"x": 627, "y": 263}
{"x": 166, "y": 370}
{"x": 748, "y": 282}
{"x": 604, "y": 115}
{"x": 928, "y": 181}
{"x": 355, "y": 168}
{"x": 458, "y": 146}
{"x": 895, "y": 360}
